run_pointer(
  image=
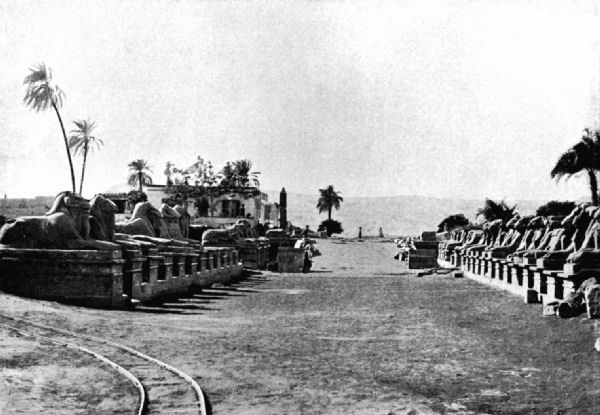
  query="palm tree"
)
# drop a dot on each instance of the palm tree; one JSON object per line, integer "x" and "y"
{"x": 583, "y": 156}
{"x": 139, "y": 170}
{"x": 328, "y": 200}
{"x": 42, "y": 94}
{"x": 496, "y": 210}
{"x": 242, "y": 170}
{"x": 82, "y": 141}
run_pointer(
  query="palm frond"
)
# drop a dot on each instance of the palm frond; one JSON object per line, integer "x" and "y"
{"x": 41, "y": 93}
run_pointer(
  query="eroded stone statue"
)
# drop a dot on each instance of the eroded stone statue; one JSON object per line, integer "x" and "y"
{"x": 517, "y": 233}
{"x": 65, "y": 226}
{"x": 220, "y": 236}
{"x": 145, "y": 220}
{"x": 143, "y": 226}
{"x": 102, "y": 218}
{"x": 575, "y": 225}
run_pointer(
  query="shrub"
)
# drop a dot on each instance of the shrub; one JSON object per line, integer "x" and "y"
{"x": 453, "y": 221}
{"x": 331, "y": 226}
{"x": 555, "y": 208}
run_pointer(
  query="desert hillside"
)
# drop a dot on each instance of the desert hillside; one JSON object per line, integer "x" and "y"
{"x": 397, "y": 215}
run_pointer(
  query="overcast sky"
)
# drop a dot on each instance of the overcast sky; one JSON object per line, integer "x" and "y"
{"x": 471, "y": 99}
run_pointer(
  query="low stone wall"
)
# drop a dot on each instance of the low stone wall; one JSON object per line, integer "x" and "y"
{"x": 89, "y": 278}
{"x": 252, "y": 254}
{"x": 424, "y": 256}
{"x": 534, "y": 284}
{"x": 115, "y": 279}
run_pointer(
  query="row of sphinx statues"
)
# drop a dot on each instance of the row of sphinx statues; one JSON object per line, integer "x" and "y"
{"x": 76, "y": 223}
{"x": 555, "y": 240}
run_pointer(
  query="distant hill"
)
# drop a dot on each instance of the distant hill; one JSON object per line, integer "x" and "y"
{"x": 397, "y": 215}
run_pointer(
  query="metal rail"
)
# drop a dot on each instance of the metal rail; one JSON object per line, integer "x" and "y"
{"x": 188, "y": 379}
{"x": 136, "y": 382}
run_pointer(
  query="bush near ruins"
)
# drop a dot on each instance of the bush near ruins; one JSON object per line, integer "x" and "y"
{"x": 496, "y": 210}
{"x": 555, "y": 208}
{"x": 331, "y": 226}
{"x": 453, "y": 221}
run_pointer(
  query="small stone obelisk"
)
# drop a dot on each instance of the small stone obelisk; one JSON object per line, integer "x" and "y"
{"x": 283, "y": 208}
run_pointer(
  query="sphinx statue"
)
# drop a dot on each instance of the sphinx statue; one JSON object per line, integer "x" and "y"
{"x": 492, "y": 232}
{"x": 184, "y": 219}
{"x": 553, "y": 240}
{"x": 588, "y": 254}
{"x": 245, "y": 229}
{"x": 518, "y": 232}
{"x": 547, "y": 231}
{"x": 575, "y": 227}
{"x": 144, "y": 221}
{"x": 102, "y": 218}
{"x": 170, "y": 227}
{"x": 457, "y": 238}
{"x": 535, "y": 231}
{"x": 277, "y": 233}
{"x": 65, "y": 226}
{"x": 102, "y": 225}
{"x": 474, "y": 237}
{"x": 143, "y": 226}
{"x": 221, "y": 236}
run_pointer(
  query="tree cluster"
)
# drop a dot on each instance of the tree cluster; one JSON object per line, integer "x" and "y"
{"x": 42, "y": 94}
{"x": 330, "y": 226}
{"x": 329, "y": 199}
{"x": 555, "y": 208}
{"x": 496, "y": 210}
{"x": 453, "y": 221}
{"x": 583, "y": 157}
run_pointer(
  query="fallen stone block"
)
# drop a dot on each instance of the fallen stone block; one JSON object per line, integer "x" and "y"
{"x": 458, "y": 274}
{"x": 592, "y": 300}
{"x": 550, "y": 309}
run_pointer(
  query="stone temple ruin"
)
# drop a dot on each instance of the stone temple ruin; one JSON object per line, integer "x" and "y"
{"x": 550, "y": 260}
{"x": 76, "y": 253}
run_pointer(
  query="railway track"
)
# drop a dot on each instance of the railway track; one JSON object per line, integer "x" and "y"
{"x": 162, "y": 389}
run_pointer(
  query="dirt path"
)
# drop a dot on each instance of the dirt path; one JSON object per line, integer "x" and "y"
{"x": 359, "y": 335}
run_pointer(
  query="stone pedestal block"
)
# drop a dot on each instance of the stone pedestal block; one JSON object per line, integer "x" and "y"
{"x": 290, "y": 259}
{"x": 89, "y": 278}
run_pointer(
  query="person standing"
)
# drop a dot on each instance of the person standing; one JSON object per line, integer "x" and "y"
{"x": 305, "y": 232}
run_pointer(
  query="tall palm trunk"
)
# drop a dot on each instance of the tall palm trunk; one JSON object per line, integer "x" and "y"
{"x": 593, "y": 186}
{"x": 85, "y": 152}
{"x": 329, "y": 213}
{"x": 62, "y": 127}
{"x": 140, "y": 180}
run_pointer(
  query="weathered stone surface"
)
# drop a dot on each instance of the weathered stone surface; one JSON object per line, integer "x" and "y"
{"x": 145, "y": 220}
{"x": 290, "y": 259}
{"x": 65, "y": 226}
{"x": 550, "y": 309}
{"x": 592, "y": 300}
{"x": 458, "y": 274}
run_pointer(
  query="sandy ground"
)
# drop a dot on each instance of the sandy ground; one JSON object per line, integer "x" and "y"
{"x": 358, "y": 335}
{"x": 37, "y": 378}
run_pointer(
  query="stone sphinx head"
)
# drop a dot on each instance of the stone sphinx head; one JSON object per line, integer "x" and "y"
{"x": 103, "y": 212}
{"x": 145, "y": 210}
{"x": 536, "y": 222}
{"x": 181, "y": 210}
{"x": 554, "y": 222}
{"x": 75, "y": 206}
{"x": 168, "y": 212}
{"x": 523, "y": 223}
{"x": 513, "y": 221}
